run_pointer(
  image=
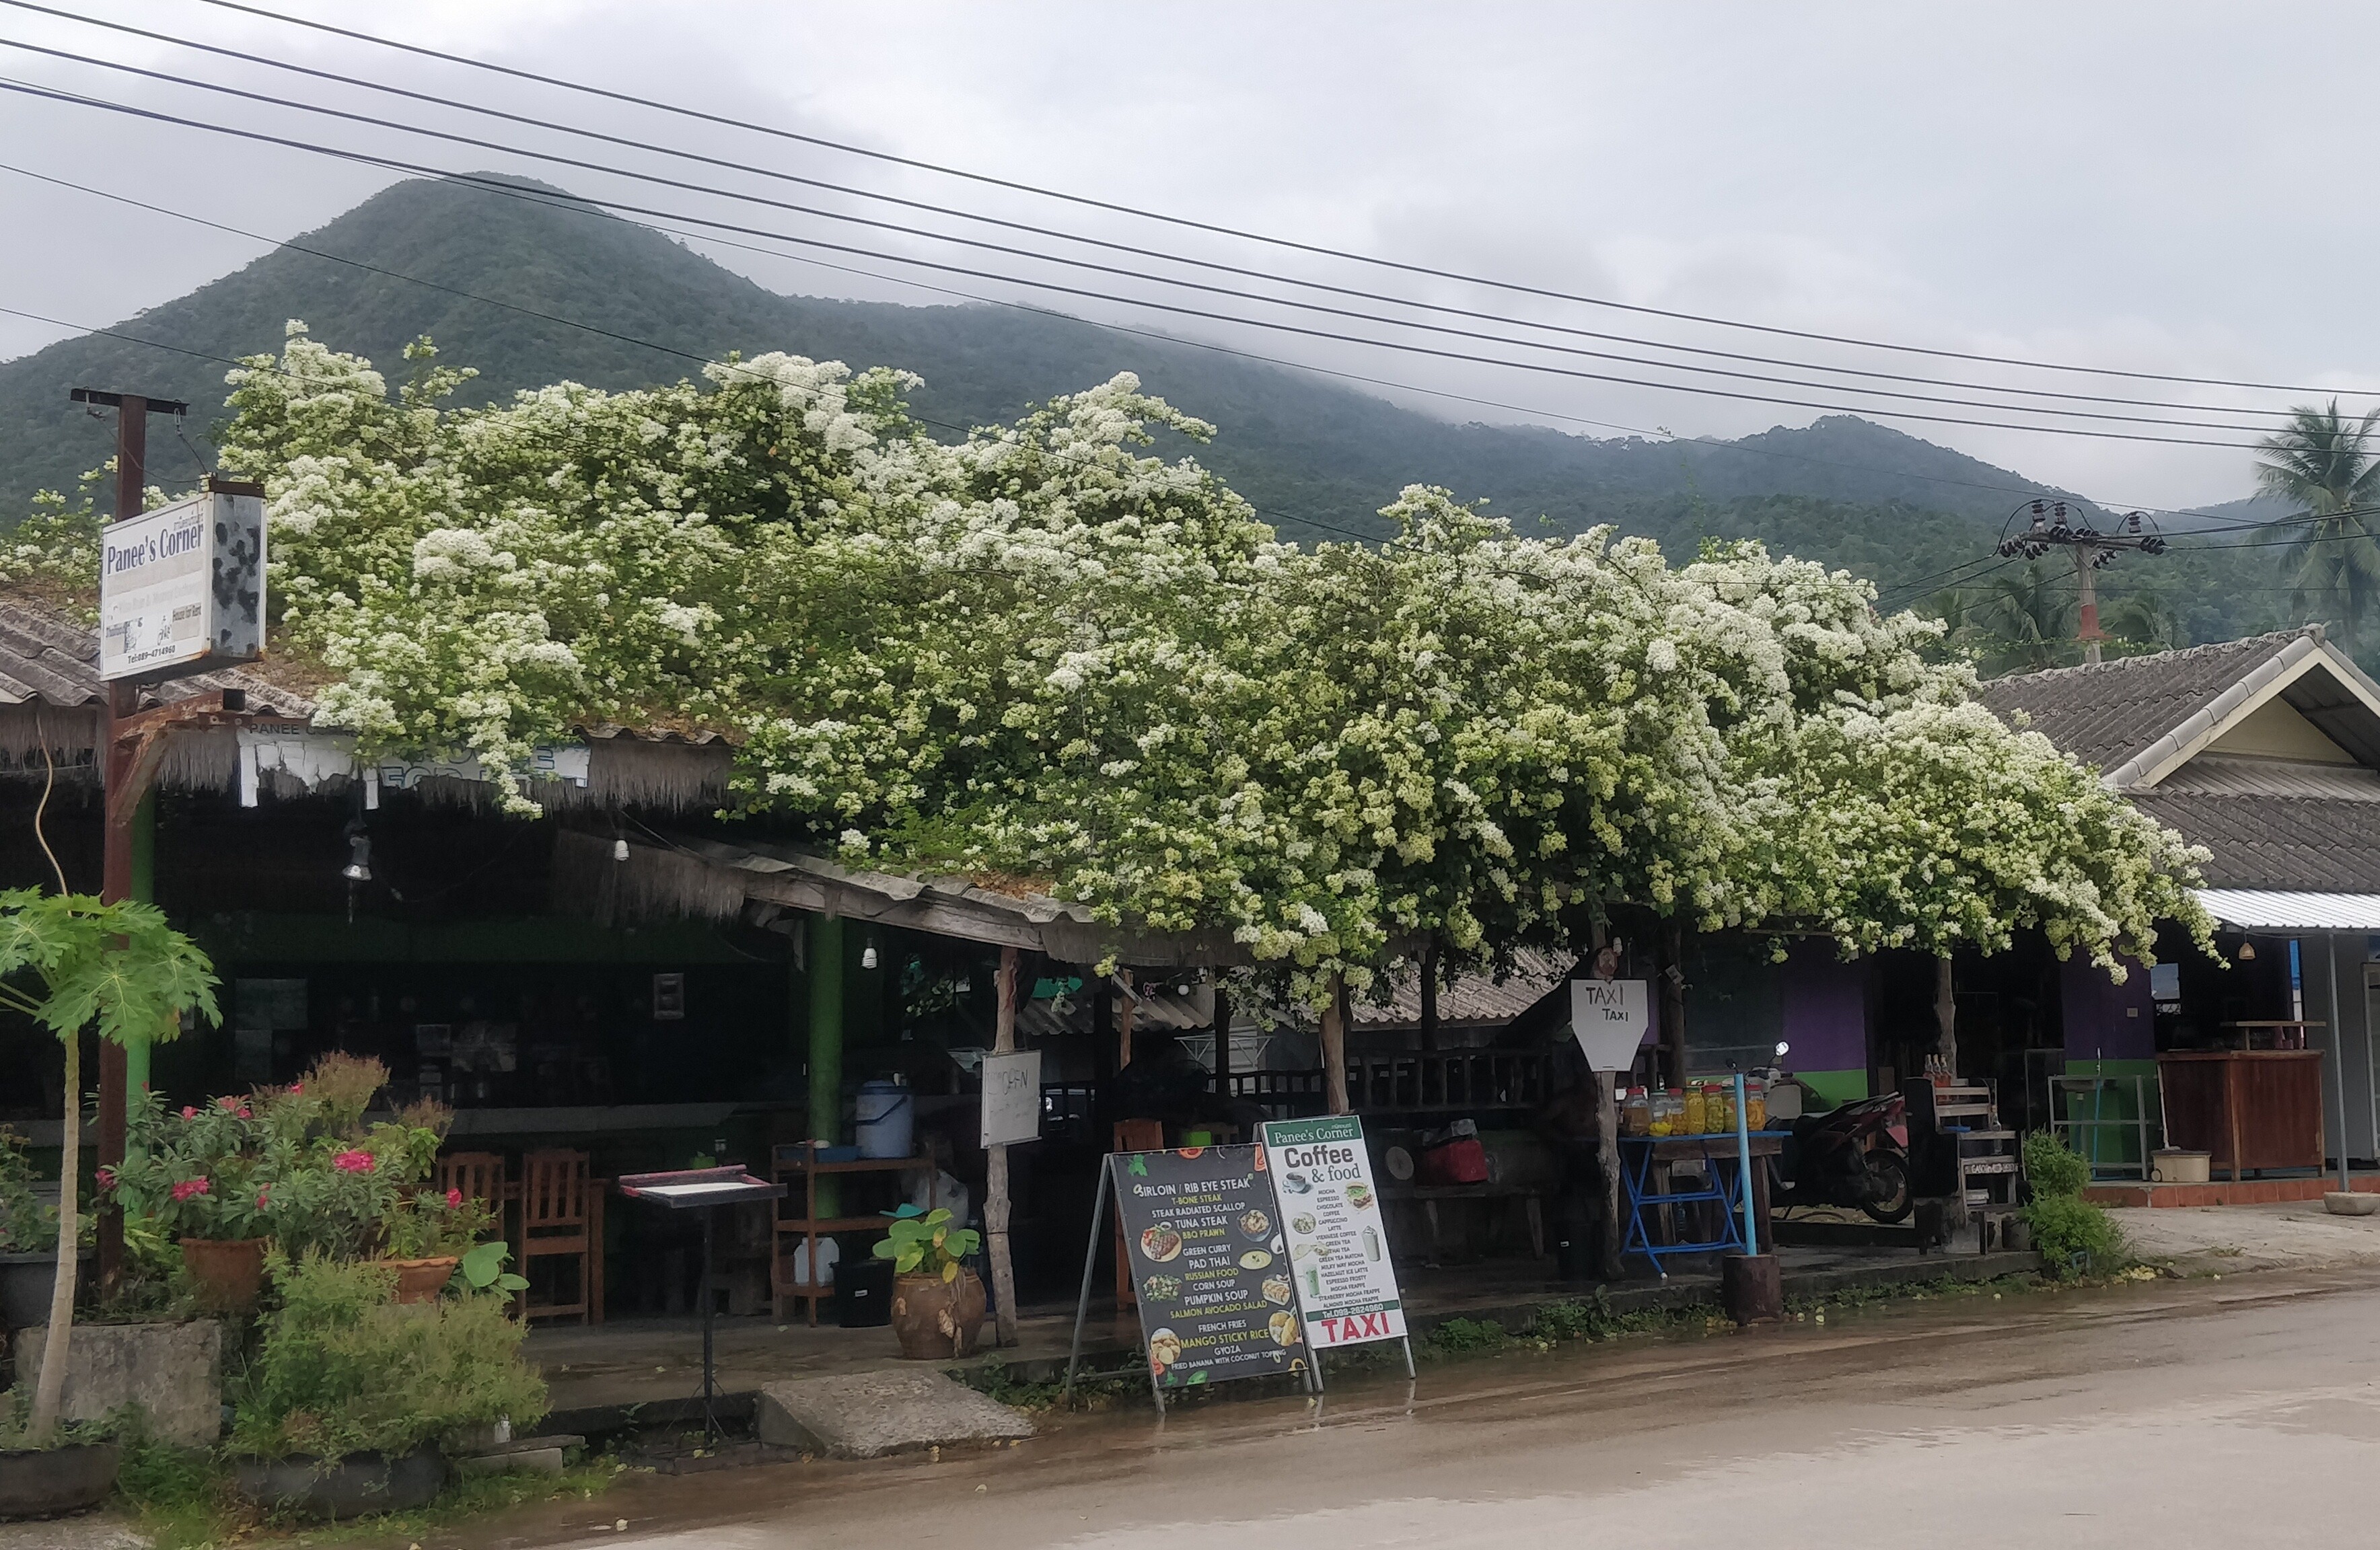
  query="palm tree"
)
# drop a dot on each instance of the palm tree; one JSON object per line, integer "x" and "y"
{"x": 2323, "y": 464}
{"x": 2022, "y": 623}
{"x": 2146, "y": 620}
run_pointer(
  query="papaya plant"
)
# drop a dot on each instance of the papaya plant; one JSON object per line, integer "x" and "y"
{"x": 925, "y": 1241}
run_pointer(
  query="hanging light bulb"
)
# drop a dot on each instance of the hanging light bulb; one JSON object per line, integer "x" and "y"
{"x": 2247, "y": 950}
{"x": 867, "y": 954}
{"x": 619, "y": 850}
{"x": 358, "y": 866}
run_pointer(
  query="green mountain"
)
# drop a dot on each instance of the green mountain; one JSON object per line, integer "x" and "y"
{"x": 1317, "y": 457}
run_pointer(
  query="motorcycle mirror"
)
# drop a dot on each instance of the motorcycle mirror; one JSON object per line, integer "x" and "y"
{"x": 1781, "y": 1047}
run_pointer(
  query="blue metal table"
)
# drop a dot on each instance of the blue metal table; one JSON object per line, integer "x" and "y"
{"x": 1651, "y": 1198}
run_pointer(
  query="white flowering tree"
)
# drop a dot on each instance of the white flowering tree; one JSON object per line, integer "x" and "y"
{"x": 1046, "y": 655}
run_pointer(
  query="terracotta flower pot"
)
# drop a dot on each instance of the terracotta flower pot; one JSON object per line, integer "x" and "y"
{"x": 229, "y": 1273}
{"x": 421, "y": 1280}
{"x": 932, "y": 1317}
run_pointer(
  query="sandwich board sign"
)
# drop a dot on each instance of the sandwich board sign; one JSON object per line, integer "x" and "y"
{"x": 1337, "y": 1244}
{"x": 181, "y": 589}
{"x": 1209, "y": 1265}
{"x": 1609, "y": 1017}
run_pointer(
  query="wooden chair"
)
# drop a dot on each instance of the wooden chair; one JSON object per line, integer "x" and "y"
{"x": 480, "y": 1175}
{"x": 562, "y": 1217}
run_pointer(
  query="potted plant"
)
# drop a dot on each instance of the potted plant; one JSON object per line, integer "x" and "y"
{"x": 350, "y": 1390}
{"x": 426, "y": 1237}
{"x": 294, "y": 1165}
{"x": 72, "y": 964}
{"x": 938, "y": 1302}
{"x": 29, "y": 1240}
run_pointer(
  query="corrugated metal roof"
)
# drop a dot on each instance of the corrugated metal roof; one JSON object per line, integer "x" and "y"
{"x": 1467, "y": 998}
{"x": 2263, "y": 910}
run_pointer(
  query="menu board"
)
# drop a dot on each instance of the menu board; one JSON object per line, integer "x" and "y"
{"x": 1208, "y": 1265}
{"x": 1331, "y": 1218}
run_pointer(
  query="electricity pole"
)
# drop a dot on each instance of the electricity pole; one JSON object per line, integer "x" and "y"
{"x": 132, "y": 412}
{"x": 2091, "y": 549}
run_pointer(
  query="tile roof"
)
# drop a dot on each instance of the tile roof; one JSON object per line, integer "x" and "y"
{"x": 2328, "y": 843}
{"x": 2104, "y": 713}
{"x": 46, "y": 658}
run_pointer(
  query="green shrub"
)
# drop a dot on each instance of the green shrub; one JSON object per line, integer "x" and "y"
{"x": 2053, "y": 1169}
{"x": 2075, "y": 1237}
{"x": 342, "y": 1367}
{"x": 1468, "y": 1334}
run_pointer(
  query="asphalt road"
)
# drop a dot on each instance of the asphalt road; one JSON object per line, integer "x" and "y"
{"x": 2232, "y": 1413}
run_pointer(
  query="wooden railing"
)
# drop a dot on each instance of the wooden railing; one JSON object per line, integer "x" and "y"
{"x": 1447, "y": 1081}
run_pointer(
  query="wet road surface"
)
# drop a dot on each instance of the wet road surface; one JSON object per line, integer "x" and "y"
{"x": 2241, "y": 1411}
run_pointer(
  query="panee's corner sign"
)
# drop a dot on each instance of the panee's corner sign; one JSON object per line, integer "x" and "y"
{"x": 181, "y": 589}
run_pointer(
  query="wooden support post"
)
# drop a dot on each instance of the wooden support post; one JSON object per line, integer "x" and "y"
{"x": 1429, "y": 992}
{"x": 825, "y": 961}
{"x": 1223, "y": 1048}
{"x": 995, "y": 1194}
{"x": 1125, "y": 1005}
{"x": 1334, "y": 1047}
{"x": 1946, "y": 1016}
{"x": 1673, "y": 1000}
{"x": 1607, "y": 1153}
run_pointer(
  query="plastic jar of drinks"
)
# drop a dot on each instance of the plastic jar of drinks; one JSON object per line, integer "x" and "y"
{"x": 1756, "y": 1104}
{"x": 1636, "y": 1119}
{"x": 1697, "y": 1117}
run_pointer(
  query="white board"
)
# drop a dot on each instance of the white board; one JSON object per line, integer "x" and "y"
{"x": 1609, "y": 1017}
{"x": 181, "y": 589}
{"x": 1331, "y": 1218}
{"x": 1011, "y": 1097}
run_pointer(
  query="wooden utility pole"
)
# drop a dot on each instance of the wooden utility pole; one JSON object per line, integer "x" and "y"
{"x": 119, "y": 756}
{"x": 995, "y": 1194}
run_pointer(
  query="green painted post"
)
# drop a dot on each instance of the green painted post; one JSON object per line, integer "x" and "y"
{"x": 143, "y": 890}
{"x": 826, "y": 967}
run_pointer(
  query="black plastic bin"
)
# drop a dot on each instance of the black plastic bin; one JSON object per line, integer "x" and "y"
{"x": 863, "y": 1293}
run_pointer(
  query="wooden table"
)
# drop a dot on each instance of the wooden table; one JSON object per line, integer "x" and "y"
{"x": 801, "y": 1159}
{"x": 1531, "y": 1196}
{"x": 2245, "y": 1108}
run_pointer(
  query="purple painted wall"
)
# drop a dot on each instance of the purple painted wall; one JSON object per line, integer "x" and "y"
{"x": 2106, "y": 1021}
{"x": 1826, "y": 1010}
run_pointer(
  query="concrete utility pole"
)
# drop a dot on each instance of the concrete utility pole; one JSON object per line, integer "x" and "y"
{"x": 2091, "y": 549}
{"x": 132, "y": 412}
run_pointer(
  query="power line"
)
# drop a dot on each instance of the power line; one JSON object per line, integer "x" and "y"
{"x": 1040, "y": 256}
{"x": 571, "y": 205}
{"x": 1242, "y": 234}
{"x": 1203, "y": 313}
{"x": 1398, "y": 345}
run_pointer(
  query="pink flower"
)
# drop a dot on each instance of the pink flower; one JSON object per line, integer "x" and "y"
{"x": 356, "y": 1161}
{"x": 106, "y": 1177}
{"x": 190, "y": 1187}
{"x": 454, "y": 1199}
{"x": 248, "y": 1114}
{"x": 297, "y": 1086}
{"x": 189, "y": 1113}
{"x": 263, "y": 1200}
{"x": 227, "y": 1104}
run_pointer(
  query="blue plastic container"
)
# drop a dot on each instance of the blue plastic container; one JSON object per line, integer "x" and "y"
{"x": 884, "y": 1122}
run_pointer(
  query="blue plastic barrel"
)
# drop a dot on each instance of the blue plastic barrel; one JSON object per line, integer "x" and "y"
{"x": 884, "y": 1120}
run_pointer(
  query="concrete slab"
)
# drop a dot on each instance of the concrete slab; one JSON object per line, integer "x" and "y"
{"x": 90, "y": 1530}
{"x": 867, "y": 1415}
{"x": 2220, "y": 1239}
{"x": 172, "y": 1371}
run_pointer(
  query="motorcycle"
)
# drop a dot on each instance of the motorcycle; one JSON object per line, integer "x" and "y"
{"x": 1856, "y": 1155}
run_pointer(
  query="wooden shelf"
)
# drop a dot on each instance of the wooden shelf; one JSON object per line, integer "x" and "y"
{"x": 801, "y": 1226}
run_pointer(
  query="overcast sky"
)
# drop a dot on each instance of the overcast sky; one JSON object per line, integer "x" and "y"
{"x": 2175, "y": 188}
